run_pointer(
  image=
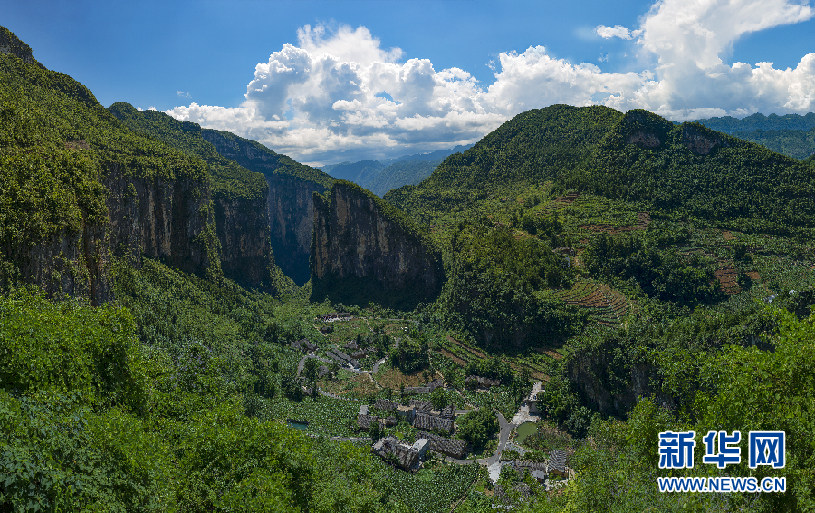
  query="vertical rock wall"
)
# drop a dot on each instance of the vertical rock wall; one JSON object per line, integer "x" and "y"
{"x": 291, "y": 210}
{"x": 169, "y": 220}
{"x": 364, "y": 251}
{"x": 242, "y": 227}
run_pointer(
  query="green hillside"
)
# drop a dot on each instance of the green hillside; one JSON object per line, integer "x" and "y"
{"x": 381, "y": 176}
{"x": 532, "y": 147}
{"x": 402, "y": 172}
{"x": 229, "y": 179}
{"x": 692, "y": 171}
{"x": 684, "y": 170}
{"x": 640, "y": 277}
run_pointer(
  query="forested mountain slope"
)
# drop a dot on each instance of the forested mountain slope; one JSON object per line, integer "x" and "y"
{"x": 691, "y": 170}
{"x": 401, "y": 172}
{"x": 532, "y": 147}
{"x": 91, "y": 187}
{"x": 637, "y": 157}
{"x": 380, "y": 176}
{"x": 596, "y": 276}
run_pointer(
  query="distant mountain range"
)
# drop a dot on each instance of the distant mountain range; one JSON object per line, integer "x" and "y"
{"x": 759, "y": 121}
{"x": 792, "y": 135}
{"x": 380, "y": 176}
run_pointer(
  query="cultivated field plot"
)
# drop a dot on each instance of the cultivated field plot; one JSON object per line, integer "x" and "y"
{"x": 434, "y": 490}
{"x": 605, "y": 305}
{"x": 784, "y": 274}
{"x": 393, "y": 378}
{"x": 325, "y": 416}
{"x": 643, "y": 220}
{"x": 343, "y": 331}
{"x": 349, "y": 384}
{"x": 577, "y": 212}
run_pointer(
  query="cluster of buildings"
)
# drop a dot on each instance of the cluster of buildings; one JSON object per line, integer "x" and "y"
{"x": 541, "y": 470}
{"x": 433, "y": 385}
{"x": 342, "y": 358}
{"x": 421, "y": 414}
{"x": 428, "y": 421}
{"x": 358, "y": 352}
{"x": 406, "y": 457}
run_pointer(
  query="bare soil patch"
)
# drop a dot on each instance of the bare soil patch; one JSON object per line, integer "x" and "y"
{"x": 358, "y": 383}
{"x": 728, "y": 280}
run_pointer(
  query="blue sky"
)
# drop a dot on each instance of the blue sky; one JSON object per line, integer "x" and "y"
{"x": 325, "y": 81}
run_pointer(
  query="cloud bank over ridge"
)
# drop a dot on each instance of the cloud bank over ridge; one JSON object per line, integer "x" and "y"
{"x": 338, "y": 95}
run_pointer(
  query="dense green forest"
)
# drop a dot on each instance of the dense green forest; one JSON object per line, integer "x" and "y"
{"x": 642, "y": 276}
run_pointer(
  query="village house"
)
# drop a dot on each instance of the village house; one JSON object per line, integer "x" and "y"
{"x": 557, "y": 463}
{"x": 538, "y": 469}
{"x": 385, "y": 405}
{"x": 433, "y": 385}
{"x": 304, "y": 345}
{"x": 406, "y": 412}
{"x": 342, "y": 358}
{"x": 427, "y": 422}
{"x": 454, "y": 448}
{"x": 404, "y": 456}
{"x": 421, "y": 406}
{"x": 364, "y": 421}
{"x": 332, "y": 317}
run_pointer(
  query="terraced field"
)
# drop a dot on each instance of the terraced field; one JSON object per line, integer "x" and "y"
{"x": 606, "y": 305}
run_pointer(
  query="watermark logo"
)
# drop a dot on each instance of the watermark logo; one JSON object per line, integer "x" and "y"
{"x": 767, "y": 448}
{"x": 725, "y": 453}
{"x": 721, "y": 449}
{"x": 676, "y": 449}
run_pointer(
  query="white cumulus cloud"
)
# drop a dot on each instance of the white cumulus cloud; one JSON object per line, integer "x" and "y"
{"x": 339, "y": 95}
{"x": 616, "y": 31}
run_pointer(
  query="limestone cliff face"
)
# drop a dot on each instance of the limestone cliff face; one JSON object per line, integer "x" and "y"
{"x": 72, "y": 263}
{"x": 701, "y": 140}
{"x": 288, "y": 203}
{"x": 163, "y": 219}
{"x": 363, "y": 250}
{"x": 242, "y": 227}
{"x": 10, "y": 43}
{"x": 169, "y": 220}
{"x": 291, "y": 210}
{"x": 590, "y": 372}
